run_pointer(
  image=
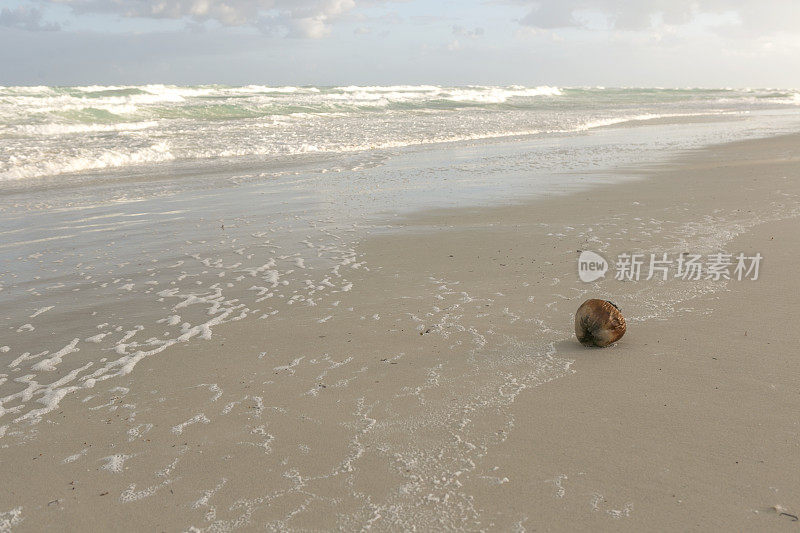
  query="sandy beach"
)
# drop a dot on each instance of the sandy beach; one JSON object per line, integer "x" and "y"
{"x": 424, "y": 375}
{"x": 399, "y": 266}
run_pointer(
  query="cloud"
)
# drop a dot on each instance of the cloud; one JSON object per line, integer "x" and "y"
{"x": 295, "y": 18}
{"x": 754, "y": 15}
{"x": 460, "y": 31}
{"x": 25, "y": 18}
{"x": 548, "y": 15}
{"x": 312, "y": 19}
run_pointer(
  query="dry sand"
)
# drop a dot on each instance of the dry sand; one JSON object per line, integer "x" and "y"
{"x": 447, "y": 391}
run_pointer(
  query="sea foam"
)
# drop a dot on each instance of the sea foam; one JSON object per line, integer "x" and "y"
{"x": 49, "y": 131}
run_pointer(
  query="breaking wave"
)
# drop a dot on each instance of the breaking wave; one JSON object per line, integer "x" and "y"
{"x": 55, "y": 130}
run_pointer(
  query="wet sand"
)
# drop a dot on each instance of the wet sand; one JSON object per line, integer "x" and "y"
{"x": 439, "y": 385}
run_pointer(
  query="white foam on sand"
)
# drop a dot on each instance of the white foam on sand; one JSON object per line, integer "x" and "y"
{"x": 197, "y": 419}
{"x": 97, "y": 339}
{"x": 75, "y": 457}
{"x": 115, "y": 463}
{"x": 50, "y": 364}
{"x": 10, "y": 519}
{"x": 131, "y": 494}
{"x": 41, "y": 310}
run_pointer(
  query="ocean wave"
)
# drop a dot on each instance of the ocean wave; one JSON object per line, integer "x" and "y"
{"x": 54, "y": 130}
{"x": 155, "y": 153}
{"x": 260, "y": 89}
{"x": 118, "y": 100}
{"x": 612, "y": 121}
{"x": 26, "y": 89}
{"x": 130, "y": 103}
{"x": 162, "y": 152}
{"x": 99, "y": 88}
{"x": 388, "y": 88}
{"x": 781, "y": 98}
{"x": 432, "y": 93}
{"x": 65, "y": 129}
{"x": 496, "y": 95}
{"x": 237, "y": 146}
{"x": 306, "y": 148}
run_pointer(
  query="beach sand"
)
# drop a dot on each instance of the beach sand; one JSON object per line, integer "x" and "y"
{"x": 446, "y": 389}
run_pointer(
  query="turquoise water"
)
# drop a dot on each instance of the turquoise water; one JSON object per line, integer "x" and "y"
{"x": 46, "y": 132}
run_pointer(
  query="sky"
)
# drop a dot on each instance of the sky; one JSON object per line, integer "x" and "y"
{"x": 652, "y": 43}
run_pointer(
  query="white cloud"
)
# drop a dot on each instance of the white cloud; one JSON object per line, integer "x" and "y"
{"x": 753, "y": 15}
{"x": 460, "y": 31}
{"x": 297, "y": 18}
{"x": 25, "y": 18}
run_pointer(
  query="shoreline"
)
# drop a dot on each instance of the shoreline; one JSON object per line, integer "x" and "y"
{"x": 445, "y": 389}
{"x": 221, "y": 167}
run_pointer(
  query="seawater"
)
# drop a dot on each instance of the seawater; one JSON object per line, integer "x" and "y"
{"x": 48, "y": 132}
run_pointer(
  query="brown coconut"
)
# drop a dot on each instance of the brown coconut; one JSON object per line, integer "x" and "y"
{"x": 599, "y": 323}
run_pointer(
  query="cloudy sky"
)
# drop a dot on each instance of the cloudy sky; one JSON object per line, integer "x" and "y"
{"x": 675, "y": 43}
